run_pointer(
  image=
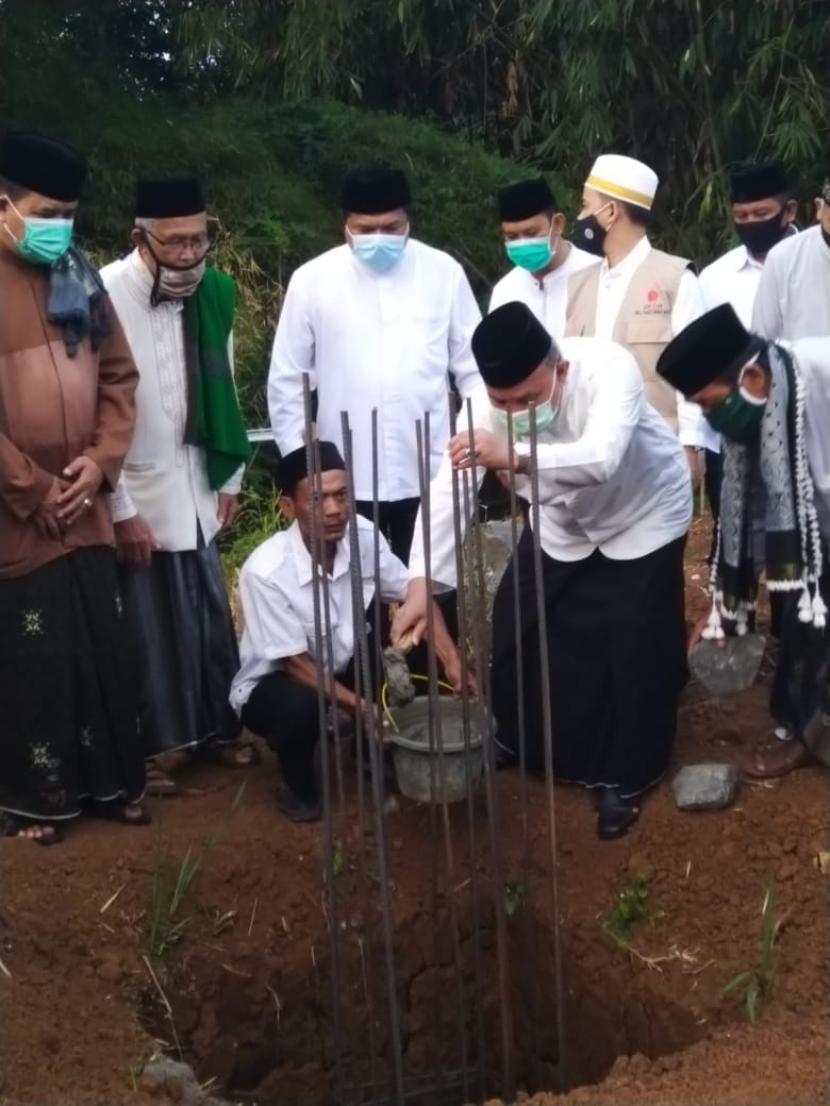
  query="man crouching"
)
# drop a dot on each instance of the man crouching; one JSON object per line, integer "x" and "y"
{"x": 275, "y": 690}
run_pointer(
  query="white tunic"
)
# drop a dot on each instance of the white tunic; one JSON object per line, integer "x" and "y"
{"x": 277, "y": 593}
{"x": 612, "y": 475}
{"x": 548, "y": 301}
{"x": 733, "y": 278}
{"x": 613, "y": 285}
{"x": 812, "y": 356}
{"x": 163, "y": 480}
{"x": 374, "y": 340}
{"x": 793, "y": 298}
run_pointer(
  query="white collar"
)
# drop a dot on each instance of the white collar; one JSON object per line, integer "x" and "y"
{"x": 302, "y": 556}
{"x": 629, "y": 263}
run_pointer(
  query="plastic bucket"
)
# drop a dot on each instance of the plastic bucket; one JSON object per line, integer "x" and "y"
{"x": 419, "y": 774}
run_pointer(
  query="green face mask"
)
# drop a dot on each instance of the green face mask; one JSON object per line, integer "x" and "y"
{"x": 737, "y": 418}
{"x": 532, "y": 254}
{"x": 44, "y": 241}
{"x": 545, "y": 417}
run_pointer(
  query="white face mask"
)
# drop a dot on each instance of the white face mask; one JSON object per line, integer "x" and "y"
{"x": 180, "y": 283}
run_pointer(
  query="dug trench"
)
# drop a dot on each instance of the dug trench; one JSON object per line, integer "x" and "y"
{"x": 258, "y": 1018}
{"x": 652, "y": 928}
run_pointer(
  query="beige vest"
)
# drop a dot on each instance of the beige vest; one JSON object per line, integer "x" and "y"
{"x": 643, "y": 324}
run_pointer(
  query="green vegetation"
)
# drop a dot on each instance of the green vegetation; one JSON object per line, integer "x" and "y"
{"x": 173, "y": 880}
{"x": 631, "y": 907}
{"x": 515, "y": 897}
{"x": 757, "y": 983}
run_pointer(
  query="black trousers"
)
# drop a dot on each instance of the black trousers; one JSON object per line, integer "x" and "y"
{"x": 712, "y": 482}
{"x": 616, "y": 657}
{"x": 286, "y": 715}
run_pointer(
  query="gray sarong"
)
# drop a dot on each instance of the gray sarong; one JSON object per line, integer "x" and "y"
{"x": 180, "y": 609}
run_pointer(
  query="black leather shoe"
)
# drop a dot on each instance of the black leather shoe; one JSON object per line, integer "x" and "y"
{"x": 615, "y": 816}
{"x": 297, "y": 808}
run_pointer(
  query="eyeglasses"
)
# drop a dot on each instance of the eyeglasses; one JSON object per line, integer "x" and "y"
{"x": 198, "y": 243}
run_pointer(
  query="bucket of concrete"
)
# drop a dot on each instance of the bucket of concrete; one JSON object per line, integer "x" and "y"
{"x": 450, "y": 760}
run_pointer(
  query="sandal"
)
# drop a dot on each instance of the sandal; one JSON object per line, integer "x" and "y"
{"x": 233, "y": 755}
{"x": 158, "y": 783}
{"x": 128, "y": 814}
{"x": 771, "y": 761}
{"x": 43, "y": 833}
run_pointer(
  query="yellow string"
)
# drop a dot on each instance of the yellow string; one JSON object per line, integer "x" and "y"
{"x": 384, "y": 698}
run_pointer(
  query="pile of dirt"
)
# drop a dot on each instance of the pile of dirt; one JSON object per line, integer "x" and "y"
{"x": 248, "y": 978}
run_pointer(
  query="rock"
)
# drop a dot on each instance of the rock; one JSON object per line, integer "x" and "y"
{"x": 705, "y": 786}
{"x": 725, "y": 669}
{"x": 173, "y": 1079}
{"x": 398, "y": 677}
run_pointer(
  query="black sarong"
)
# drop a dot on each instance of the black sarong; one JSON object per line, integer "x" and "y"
{"x": 800, "y": 695}
{"x": 615, "y": 633}
{"x": 68, "y": 708}
{"x": 189, "y": 653}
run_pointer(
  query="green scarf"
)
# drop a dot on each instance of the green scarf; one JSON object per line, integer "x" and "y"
{"x": 214, "y": 420}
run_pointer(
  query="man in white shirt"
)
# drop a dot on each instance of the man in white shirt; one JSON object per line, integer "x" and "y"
{"x": 638, "y": 296}
{"x": 615, "y": 506}
{"x": 763, "y": 213}
{"x": 275, "y": 691}
{"x": 380, "y": 322}
{"x": 533, "y": 226}
{"x": 770, "y": 402}
{"x": 181, "y": 477}
{"x": 793, "y": 299}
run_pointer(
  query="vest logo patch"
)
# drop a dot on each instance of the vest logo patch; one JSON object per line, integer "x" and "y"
{"x": 653, "y": 296}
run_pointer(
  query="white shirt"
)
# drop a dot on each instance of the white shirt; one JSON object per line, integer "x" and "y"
{"x": 163, "y": 480}
{"x": 277, "y": 594}
{"x": 793, "y": 298}
{"x": 733, "y": 278}
{"x": 374, "y": 340}
{"x": 547, "y": 300}
{"x": 688, "y": 306}
{"x": 612, "y": 475}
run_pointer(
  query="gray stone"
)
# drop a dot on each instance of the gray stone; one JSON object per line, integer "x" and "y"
{"x": 705, "y": 786}
{"x": 730, "y": 666}
{"x": 171, "y": 1078}
{"x": 398, "y": 677}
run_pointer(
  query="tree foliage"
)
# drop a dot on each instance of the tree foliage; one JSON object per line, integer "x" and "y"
{"x": 688, "y": 85}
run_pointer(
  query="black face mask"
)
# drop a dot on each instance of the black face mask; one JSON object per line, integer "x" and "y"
{"x": 826, "y": 236}
{"x": 588, "y": 235}
{"x": 759, "y": 238}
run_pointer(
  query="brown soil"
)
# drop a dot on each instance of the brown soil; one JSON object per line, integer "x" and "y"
{"x": 250, "y": 980}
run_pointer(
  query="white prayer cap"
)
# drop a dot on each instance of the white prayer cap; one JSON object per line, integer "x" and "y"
{"x": 624, "y": 178}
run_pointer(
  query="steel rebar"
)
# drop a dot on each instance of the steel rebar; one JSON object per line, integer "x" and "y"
{"x": 486, "y": 722}
{"x": 318, "y": 563}
{"x": 436, "y": 735}
{"x": 373, "y": 738}
{"x": 547, "y": 737}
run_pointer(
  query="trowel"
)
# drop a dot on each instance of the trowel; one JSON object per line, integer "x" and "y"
{"x": 728, "y": 666}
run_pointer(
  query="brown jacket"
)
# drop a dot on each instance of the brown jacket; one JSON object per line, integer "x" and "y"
{"x": 54, "y": 408}
{"x": 643, "y": 324}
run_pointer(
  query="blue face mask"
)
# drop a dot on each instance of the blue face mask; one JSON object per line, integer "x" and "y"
{"x": 44, "y": 241}
{"x": 379, "y": 251}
